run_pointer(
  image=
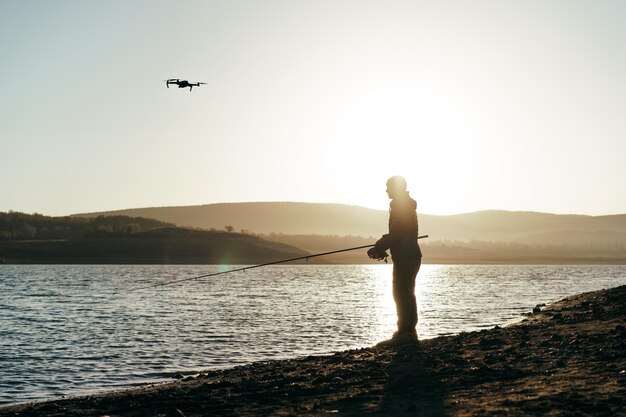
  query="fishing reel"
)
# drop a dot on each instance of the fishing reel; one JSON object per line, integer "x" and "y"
{"x": 375, "y": 254}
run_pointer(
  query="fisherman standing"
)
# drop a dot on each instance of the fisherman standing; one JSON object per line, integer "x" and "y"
{"x": 405, "y": 254}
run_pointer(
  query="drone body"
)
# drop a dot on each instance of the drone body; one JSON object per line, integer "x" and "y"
{"x": 182, "y": 83}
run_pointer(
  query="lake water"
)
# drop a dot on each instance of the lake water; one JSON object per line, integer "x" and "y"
{"x": 67, "y": 330}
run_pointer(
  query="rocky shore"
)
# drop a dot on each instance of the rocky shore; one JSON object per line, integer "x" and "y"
{"x": 567, "y": 359}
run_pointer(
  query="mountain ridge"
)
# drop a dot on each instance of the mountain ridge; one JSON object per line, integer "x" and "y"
{"x": 350, "y": 220}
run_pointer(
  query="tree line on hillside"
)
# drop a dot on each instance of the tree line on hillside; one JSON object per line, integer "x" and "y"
{"x": 22, "y": 226}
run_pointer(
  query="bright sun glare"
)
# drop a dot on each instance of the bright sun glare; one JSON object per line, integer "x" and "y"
{"x": 399, "y": 132}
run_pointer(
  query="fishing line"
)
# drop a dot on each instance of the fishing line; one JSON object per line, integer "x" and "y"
{"x": 245, "y": 268}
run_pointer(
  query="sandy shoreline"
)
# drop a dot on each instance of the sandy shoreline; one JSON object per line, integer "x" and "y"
{"x": 569, "y": 359}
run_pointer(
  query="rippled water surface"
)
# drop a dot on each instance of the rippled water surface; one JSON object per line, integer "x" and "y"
{"x": 67, "y": 330}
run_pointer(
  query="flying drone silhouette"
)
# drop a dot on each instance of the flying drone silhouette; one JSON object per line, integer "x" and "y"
{"x": 182, "y": 83}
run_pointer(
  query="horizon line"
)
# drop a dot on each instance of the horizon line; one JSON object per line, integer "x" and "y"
{"x": 314, "y": 203}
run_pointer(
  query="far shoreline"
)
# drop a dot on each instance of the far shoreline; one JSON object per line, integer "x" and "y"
{"x": 430, "y": 261}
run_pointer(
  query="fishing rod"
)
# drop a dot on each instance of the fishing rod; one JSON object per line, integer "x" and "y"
{"x": 245, "y": 268}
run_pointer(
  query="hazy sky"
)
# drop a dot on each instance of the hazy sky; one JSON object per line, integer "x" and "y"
{"x": 479, "y": 104}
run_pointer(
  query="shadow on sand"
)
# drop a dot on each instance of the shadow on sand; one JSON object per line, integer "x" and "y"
{"x": 394, "y": 381}
{"x": 411, "y": 387}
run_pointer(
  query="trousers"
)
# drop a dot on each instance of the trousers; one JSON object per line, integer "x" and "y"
{"x": 404, "y": 274}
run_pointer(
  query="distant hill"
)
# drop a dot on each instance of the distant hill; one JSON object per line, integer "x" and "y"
{"x": 164, "y": 246}
{"x": 289, "y": 218}
{"x": 38, "y": 239}
{"x": 344, "y": 220}
{"x": 493, "y": 236}
{"x": 273, "y": 231}
{"x": 496, "y": 225}
{"x": 22, "y": 226}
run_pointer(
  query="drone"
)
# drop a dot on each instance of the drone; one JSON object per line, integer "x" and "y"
{"x": 182, "y": 83}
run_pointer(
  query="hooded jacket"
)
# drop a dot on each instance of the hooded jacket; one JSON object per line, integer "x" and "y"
{"x": 403, "y": 230}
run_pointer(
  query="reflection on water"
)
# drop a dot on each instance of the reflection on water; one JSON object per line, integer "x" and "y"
{"x": 71, "y": 329}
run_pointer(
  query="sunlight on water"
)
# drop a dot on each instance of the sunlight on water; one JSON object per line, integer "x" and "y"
{"x": 72, "y": 329}
{"x": 383, "y": 307}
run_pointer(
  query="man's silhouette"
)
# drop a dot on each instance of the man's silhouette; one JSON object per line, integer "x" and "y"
{"x": 406, "y": 256}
